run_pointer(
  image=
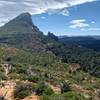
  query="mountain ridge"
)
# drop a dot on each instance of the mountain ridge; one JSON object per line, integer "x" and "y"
{"x": 21, "y": 24}
{"x": 22, "y": 31}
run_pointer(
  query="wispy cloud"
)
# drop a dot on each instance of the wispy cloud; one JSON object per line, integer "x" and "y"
{"x": 80, "y": 24}
{"x": 94, "y": 29}
{"x": 43, "y": 17}
{"x": 11, "y": 8}
{"x": 90, "y": 29}
{"x": 93, "y": 22}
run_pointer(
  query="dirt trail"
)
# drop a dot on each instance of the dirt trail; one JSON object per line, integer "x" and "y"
{"x": 8, "y": 89}
{"x": 56, "y": 89}
{"x": 80, "y": 88}
{"x": 7, "y": 68}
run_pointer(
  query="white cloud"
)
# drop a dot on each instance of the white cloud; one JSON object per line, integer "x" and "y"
{"x": 77, "y": 21}
{"x": 65, "y": 12}
{"x": 80, "y": 24}
{"x": 93, "y": 22}
{"x": 11, "y": 8}
{"x": 43, "y": 17}
{"x": 94, "y": 29}
{"x": 90, "y": 29}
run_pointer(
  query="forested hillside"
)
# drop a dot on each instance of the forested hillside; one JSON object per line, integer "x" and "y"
{"x": 48, "y": 68}
{"x": 90, "y": 42}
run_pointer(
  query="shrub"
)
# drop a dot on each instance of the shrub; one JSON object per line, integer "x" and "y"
{"x": 48, "y": 91}
{"x": 2, "y": 76}
{"x": 14, "y": 75}
{"x": 73, "y": 96}
{"x": 52, "y": 97}
{"x": 43, "y": 89}
{"x": 33, "y": 79}
{"x": 65, "y": 87}
{"x": 21, "y": 91}
{"x": 65, "y": 96}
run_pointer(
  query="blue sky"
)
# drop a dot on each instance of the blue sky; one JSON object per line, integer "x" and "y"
{"x": 87, "y": 14}
{"x": 62, "y": 17}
